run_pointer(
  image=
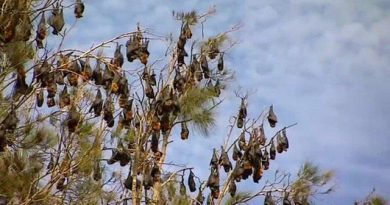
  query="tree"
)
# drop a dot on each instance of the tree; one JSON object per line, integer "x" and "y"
{"x": 100, "y": 116}
{"x": 372, "y": 199}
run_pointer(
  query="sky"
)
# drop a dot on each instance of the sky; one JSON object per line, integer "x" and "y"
{"x": 323, "y": 64}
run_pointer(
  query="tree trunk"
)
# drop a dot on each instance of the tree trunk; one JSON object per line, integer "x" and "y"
{"x": 157, "y": 188}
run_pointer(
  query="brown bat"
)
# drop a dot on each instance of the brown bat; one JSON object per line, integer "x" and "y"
{"x": 97, "y": 104}
{"x": 41, "y": 31}
{"x": 56, "y": 20}
{"x": 64, "y": 98}
{"x": 225, "y": 161}
{"x": 232, "y": 189}
{"x": 184, "y": 131}
{"x": 272, "y": 119}
{"x": 118, "y": 57}
{"x": 39, "y": 98}
{"x": 73, "y": 119}
{"x": 79, "y": 9}
{"x": 108, "y": 115}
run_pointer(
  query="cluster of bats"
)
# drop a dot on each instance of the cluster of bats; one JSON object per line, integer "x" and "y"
{"x": 165, "y": 105}
{"x": 70, "y": 69}
{"x": 252, "y": 157}
{"x": 56, "y": 21}
{"x": 42, "y": 72}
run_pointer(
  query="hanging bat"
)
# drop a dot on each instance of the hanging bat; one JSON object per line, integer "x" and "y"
{"x": 272, "y": 151}
{"x": 184, "y": 131}
{"x": 40, "y": 73}
{"x": 73, "y": 119}
{"x": 64, "y": 98}
{"x": 156, "y": 173}
{"x": 224, "y": 160}
{"x": 152, "y": 79}
{"x": 86, "y": 70}
{"x": 123, "y": 86}
{"x": 265, "y": 160}
{"x": 149, "y": 91}
{"x": 243, "y": 110}
{"x": 191, "y": 182}
{"x": 124, "y": 158}
{"x": 182, "y": 189}
{"x": 132, "y": 48}
{"x": 178, "y": 82}
{"x": 50, "y": 102}
{"x": 232, "y": 189}
{"x": 241, "y": 141}
{"x": 108, "y": 76}
{"x": 200, "y": 198}
{"x": 128, "y": 183}
{"x": 236, "y": 153}
{"x": 20, "y": 87}
{"x": 51, "y": 87}
{"x": 156, "y": 125}
{"x": 39, "y": 98}
{"x": 268, "y": 199}
{"x": 97, "y": 104}
{"x": 41, "y": 31}
{"x": 147, "y": 179}
{"x": 97, "y": 74}
{"x": 79, "y": 9}
{"x": 73, "y": 75}
{"x": 165, "y": 123}
{"x": 108, "y": 114}
{"x": 128, "y": 113}
{"x": 114, "y": 157}
{"x": 56, "y": 20}
{"x": 220, "y": 64}
{"x": 272, "y": 119}
{"x": 213, "y": 180}
{"x": 97, "y": 172}
{"x": 205, "y": 66}
{"x": 118, "y": 57}
{"x": 214, "y": 159}
{"x": 154, "y": 142}
{"x": 237, "y": 172}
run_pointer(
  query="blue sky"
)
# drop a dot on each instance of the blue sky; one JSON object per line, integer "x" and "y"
{"x": 323, "y": 64}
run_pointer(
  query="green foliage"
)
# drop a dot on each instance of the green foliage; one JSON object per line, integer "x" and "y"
{"x": 378, "y": 200}
{"x": 88, "y": 152}
{"x": 87, "y": 191}
{"x": 372, "y": 199}
{"x": 173, "y": 193}
{"x": 19, "y": 53}
{"x": 16, "y": 169}
{"x": 171, "y": 190}
{"x": 195, "y": 106}
{"x": 311, "y": 180}
{"x": 188, "y": 17}
{"x": 213, "y": 45}
{"x": 37, "y": 138}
